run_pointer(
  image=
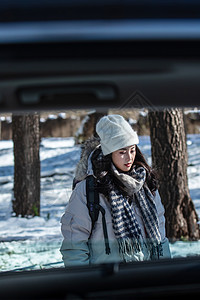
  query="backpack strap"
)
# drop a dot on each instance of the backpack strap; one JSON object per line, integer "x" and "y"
{"x": 92, "y": 199}
{"x": 94, "y": 207}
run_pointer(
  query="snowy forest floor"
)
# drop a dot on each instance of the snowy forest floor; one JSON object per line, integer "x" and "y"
{"x": 34, "y": 243}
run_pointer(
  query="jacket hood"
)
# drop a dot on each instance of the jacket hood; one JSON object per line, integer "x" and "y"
{"x": 84, "y": 166}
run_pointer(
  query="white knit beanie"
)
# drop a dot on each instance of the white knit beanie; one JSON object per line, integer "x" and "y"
{"x": 115, "y": 133}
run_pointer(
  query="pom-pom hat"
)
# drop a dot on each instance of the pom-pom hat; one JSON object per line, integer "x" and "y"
{"x": 115, "y": 133}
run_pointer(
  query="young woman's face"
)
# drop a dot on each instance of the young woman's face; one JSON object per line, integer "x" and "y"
{"x": 124, "y": 158}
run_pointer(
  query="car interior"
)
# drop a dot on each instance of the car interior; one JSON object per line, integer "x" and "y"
{"x": 59, "y": 55}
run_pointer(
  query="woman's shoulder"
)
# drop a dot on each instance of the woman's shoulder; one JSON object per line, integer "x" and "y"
{"x": 78, "y": 193}
{"x": 80, "y": 186}
{"x": 76, "y": 205}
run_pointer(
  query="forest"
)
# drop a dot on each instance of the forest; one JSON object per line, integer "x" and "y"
{"x": 37, "y": 173}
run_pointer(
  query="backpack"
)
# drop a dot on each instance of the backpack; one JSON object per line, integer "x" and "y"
{"x": 94, "y": 208}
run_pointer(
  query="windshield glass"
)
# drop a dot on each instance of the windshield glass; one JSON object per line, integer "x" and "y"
{"x": 33, "y": 240}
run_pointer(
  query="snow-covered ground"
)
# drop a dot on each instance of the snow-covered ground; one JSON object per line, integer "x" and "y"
{"x": 34, "y": 243}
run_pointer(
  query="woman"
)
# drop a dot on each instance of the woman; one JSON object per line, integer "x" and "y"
{"x": 128, "y": 193}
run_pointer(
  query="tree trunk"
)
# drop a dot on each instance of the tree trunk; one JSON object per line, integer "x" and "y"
{"x": 169, "y": 157}
{"x": 88, "y": 127}
{"x": 26, "y": 165}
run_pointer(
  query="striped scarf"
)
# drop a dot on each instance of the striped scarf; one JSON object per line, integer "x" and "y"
{"x": 126, "y": 228}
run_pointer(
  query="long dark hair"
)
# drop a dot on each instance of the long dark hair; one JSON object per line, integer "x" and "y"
{"x": 103, "y": 166}
{"x": 151, "y": 174}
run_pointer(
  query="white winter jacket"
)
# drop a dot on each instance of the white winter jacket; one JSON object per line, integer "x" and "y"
{"x": 80, "y": 248}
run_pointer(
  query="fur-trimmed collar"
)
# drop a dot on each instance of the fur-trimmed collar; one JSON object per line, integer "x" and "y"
{"x": 84, "y": 167}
